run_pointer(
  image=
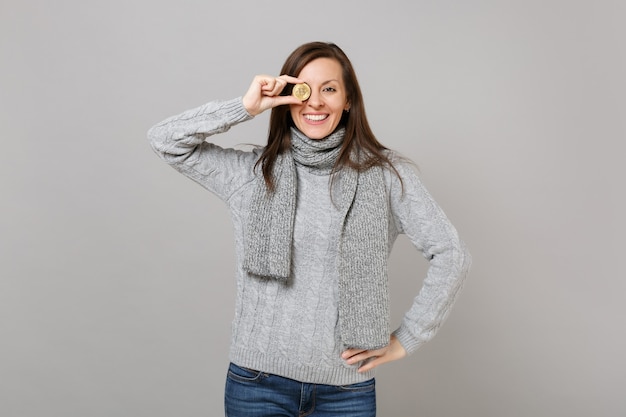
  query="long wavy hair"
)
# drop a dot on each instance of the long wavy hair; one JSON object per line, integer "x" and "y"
{"x": 360, "y": 150}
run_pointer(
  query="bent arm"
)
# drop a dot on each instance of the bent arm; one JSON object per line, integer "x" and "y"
{"x": 181, "y": 142}
{"x": 425, "y": 224}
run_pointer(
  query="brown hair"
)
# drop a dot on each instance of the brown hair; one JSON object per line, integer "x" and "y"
{"x": 359, "y": 139}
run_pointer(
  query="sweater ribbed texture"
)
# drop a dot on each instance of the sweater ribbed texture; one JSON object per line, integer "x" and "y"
{"x": 363, "y": 289}
{"x": 293, "y": 330}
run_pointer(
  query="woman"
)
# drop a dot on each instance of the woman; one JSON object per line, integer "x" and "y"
{"x": 315, "y": 213}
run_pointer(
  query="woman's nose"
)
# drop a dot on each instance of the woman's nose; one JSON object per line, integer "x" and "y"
{"x": 315, "y": 100}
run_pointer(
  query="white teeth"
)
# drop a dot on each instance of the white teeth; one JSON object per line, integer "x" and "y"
{"x": 315, "y": 117}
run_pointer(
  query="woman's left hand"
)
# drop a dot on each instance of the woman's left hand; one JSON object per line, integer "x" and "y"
{"x": 393, "y": 351}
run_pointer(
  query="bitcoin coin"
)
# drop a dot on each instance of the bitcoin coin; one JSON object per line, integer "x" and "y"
{"x": 301, "y": 91}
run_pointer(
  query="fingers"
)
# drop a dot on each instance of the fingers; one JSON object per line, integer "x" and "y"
{"x": 373, "y": 358}
{"x": 371, "y": 364}
{"x": 353, "y": 355}
{"x": 264, "y": 93}
{"x": 273, "y": 86}
{"x": 290, "y": 79}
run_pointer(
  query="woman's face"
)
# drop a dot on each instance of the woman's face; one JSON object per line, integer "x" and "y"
{"x": 318, "y": 116}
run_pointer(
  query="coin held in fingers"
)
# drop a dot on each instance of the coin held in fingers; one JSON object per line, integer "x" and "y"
{"x": 301, "y": 91}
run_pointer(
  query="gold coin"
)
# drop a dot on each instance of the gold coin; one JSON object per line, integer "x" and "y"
{"x": 301, "y": 91}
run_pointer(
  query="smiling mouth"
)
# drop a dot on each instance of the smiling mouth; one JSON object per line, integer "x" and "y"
{"x": 315, "y": 117}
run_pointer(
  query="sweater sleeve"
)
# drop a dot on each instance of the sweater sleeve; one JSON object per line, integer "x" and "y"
{"x": 419, "y": 217}
{"x": 181, "y": 142}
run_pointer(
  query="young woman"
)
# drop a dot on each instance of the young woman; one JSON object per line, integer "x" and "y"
{"x": 315, "y": 213}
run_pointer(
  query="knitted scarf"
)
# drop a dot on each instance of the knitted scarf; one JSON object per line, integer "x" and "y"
{"x": 362, "y": 266}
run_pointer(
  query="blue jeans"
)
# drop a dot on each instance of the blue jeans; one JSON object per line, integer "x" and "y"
{"x": 252, "y": 393}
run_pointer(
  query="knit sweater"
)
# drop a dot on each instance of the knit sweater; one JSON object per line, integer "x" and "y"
{"x": 290, "y": 329}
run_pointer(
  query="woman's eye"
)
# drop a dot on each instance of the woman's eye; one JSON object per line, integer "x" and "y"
{"x": 329, "y": 89}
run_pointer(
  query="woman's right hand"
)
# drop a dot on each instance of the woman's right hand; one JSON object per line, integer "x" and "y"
{"x": 264, "y": 93}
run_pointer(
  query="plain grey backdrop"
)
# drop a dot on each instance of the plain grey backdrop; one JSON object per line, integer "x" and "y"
{"x": 116, "y": 289}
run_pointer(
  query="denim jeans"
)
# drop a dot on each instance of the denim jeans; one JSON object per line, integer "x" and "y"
{"x": 252, "y": 393}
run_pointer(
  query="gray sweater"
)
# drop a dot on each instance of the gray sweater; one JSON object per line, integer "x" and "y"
{"x": 291, "y": 329}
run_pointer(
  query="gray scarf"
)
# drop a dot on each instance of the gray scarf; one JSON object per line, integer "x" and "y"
{"x": 363, "y": 289}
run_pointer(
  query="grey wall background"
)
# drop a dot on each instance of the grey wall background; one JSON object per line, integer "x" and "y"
{"x": 116, "y": 291}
